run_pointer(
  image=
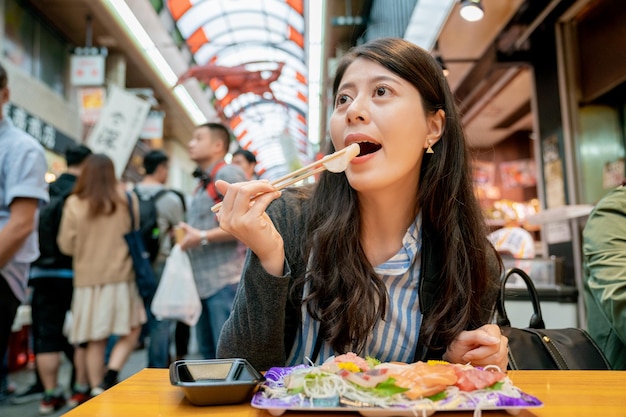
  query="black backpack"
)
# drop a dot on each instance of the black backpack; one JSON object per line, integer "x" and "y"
{"x": 148, "y": 224}
{"x": 49, "y": 222}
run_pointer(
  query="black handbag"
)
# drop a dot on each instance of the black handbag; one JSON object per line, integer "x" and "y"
{"x": 536, "y": 347}
{"x": 144, "y": 274}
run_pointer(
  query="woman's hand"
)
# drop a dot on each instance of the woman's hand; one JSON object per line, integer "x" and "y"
{"x": 247, "y": 220}
{"x": 481, "y": 347}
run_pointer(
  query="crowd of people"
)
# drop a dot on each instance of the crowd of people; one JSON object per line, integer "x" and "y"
{"x": 63, "y": 252}
{"x": 388, "y": 259}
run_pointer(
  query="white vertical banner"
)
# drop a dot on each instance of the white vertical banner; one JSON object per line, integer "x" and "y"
{"x": 117, "y": 130}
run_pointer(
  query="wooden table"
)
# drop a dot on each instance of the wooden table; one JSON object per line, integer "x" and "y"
{"x": 564, "y": 393}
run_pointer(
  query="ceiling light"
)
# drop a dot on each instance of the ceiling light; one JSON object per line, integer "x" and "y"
{"x": 472, "y": 10}
{"x": 347, "y": 21}
{"x": 159, "y": 64}
{"x": 427, "y": 20}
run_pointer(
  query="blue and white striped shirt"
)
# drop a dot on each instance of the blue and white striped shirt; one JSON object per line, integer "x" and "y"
{"x": 392, "y": 339}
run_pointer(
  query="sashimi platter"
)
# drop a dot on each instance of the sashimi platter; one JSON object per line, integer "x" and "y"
{"x": 365, "y": 385}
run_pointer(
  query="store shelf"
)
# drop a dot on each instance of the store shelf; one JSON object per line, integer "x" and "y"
{"x": 558, "y": 214}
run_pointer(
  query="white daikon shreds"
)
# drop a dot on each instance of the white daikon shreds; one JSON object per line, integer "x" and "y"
{"x": 323, "y": 385}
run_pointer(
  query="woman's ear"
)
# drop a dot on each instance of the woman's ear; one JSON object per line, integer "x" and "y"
{"x": 436, "y": 123}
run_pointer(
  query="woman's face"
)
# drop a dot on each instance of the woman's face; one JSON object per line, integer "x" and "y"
{"x": 384, "y": 113}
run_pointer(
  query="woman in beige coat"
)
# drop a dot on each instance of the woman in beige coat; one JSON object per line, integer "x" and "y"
{"x": 106, "y": 301}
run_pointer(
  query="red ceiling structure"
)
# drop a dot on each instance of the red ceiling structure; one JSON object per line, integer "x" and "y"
{"x": 251, "y": 53}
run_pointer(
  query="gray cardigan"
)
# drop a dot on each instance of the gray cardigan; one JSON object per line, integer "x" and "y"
{"x": 263, "y": 323}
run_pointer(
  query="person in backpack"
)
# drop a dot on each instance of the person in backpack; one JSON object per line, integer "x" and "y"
{"x": 51, "y": 279}
{"x": 106, "y": 301}
{"x": 215, "y": 257}
{"x": 160, "y": 210}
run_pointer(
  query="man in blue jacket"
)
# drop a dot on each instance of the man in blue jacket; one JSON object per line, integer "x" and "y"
{"x": 22, "y": 189}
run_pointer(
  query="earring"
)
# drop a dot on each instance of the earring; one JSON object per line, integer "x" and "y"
{"x": 430, "y": 149}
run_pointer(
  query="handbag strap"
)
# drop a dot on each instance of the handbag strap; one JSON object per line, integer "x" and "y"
{"x": 536, "y": 320}
{"x": 130, "y": 210}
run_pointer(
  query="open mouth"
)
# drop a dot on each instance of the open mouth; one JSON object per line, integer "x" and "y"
{"x": 368, "y": 147}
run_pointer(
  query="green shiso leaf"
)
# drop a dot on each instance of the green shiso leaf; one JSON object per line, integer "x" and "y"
{"x": 317, "y": 375}
{"x": 296, "y": 390}
{"x": 387, "y": 388}
{"x": 372, "y": 362}
{"x": 438, "y": 397}
{"x": 496, "y": 386}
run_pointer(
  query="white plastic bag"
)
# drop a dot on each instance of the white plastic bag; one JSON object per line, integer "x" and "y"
{"x": 176, "y": 296}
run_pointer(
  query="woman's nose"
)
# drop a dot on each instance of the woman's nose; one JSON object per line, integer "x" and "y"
{"x": 358, "y": 111}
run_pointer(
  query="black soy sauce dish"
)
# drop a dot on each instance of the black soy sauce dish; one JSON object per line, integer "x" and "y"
{"x": 215, "y": 381}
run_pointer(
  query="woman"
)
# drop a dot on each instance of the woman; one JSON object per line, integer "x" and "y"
{"x": 106, "y": 301}
{"x": 390, "y": 258}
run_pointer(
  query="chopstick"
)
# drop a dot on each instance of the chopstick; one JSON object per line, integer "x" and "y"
{"x": 297, "y": 175}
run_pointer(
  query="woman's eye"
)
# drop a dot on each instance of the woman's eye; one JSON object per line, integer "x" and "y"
{"x": 341, "y": 99}
{"x": 380, "y": 91}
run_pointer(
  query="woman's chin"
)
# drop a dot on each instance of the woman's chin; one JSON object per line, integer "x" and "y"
{"x": 364, "y": 181}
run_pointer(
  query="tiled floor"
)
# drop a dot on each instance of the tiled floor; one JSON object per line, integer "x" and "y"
{"x": 23, "y": 378}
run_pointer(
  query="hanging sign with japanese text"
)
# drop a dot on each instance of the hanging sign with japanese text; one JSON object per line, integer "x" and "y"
{"x": 90, "y": 103}
{"x": 153, "y": 128}
{"x": 117, "y": 130}
{"x": 50, "y": 137}
{"x": 87, "y": 70}
{"x": 87, "y": 66}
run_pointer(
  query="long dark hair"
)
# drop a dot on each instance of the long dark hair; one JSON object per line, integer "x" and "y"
{"x": 346, "y": 295}
{"x": 97, "y": 184}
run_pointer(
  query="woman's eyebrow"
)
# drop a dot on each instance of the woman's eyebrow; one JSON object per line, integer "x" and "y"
{"x": 387, "y": 78}
{"x": 372, "y": 80}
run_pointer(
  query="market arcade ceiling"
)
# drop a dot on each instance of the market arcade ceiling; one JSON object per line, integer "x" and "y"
{"x": 251, "y": 53}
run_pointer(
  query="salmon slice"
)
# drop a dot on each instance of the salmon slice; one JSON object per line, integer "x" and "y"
{"x": 423, "y": 380}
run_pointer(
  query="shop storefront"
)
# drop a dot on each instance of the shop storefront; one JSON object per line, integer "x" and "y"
{"x": 59, "y": 88}
{"x": 547, "y": 181}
